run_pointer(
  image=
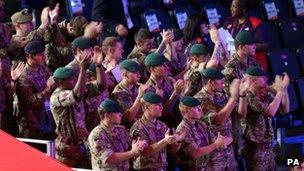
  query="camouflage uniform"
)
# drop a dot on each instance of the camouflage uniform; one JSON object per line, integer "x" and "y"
{"x": 112, "y": 82}
{"x": 197, "y": 135}
{"x": 57, "y": 56}
{"x": 140, "y": 58}
{"x": 178, "y": 65}
{"x": 69, "y": 115}
{"x": 152, "y": 132}
{"x": 125, "y": 98}
{"x": 221, "y": 159}
{"x": 15, "y": 52}
{"x": 93, "y": 98}
{"x": 236, "y": 69}
{"x": 103, "y": 142}
{"x": 259, "y": 133}
{"x": 33, "y": 118}
{"x": 166, "y": 84}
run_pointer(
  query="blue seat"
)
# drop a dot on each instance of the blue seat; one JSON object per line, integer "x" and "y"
{"x": 180, "y": 16}
{"x": 273, "y": 35}
{"x": 155, "y": 21}
{"x": 216, "y": 14}
{"x": 278, "y": 8}
{"x": 291, "y": 32}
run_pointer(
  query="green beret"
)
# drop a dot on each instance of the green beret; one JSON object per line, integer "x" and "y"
{"x": 245, "y": 38}
{"x": 82, "y": 43}
{"x": 34, "y": 47}
{"x": 130, "y": 65}
{"x": 212, "y": 73}
{"x": 110, "y": 106}
{"x": 256, "y": 71}
{"x": 198, "y": 49}
{"x": 190, "y": 101}
{"x": 21, "y": 17}
{"x": 152, "y": 98}
{"x": 155, "y": 59}
{"x": 63, "y": 73}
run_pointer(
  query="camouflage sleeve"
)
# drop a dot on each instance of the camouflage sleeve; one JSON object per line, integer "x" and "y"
{"x": 64, "y": 98}
{"x": 100, "y": 147}
{"x": 257, "y": 105}
{"x": 36, "y": 34}
{"x": 28, "y": 94}
{"x": 138, "y": 131}
{"x": 92, "y": 90}
{"x": 209, "y": 111}
{"x": 49, "y": 33}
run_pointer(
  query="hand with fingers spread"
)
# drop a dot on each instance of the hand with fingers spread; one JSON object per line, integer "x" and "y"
{"x": 180, "y": 135}
{"x": 167, "y": 36}
{"x": 97, "y": 56}
{"x": 15, "y": 73}
{"x": 44, "y": 18}
{"x": 53, "y": 14}
{"x": 50, "y": 84}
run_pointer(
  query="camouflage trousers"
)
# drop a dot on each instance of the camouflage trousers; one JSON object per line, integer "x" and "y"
{"x": 72, "y": 155}
{"x": 223, "y": 160}
{"x": 259, "y": 157}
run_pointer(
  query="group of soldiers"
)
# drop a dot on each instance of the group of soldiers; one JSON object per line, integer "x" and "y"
{"x": 157, "y": 109}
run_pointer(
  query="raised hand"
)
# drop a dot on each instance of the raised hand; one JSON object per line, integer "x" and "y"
{"x": 286, "y": 80}
{"x": 98, "y": 55}
{"x": 214, "y": 34}
{"x": 244, "y": 86}
{"x": 170, "y": 139}
{"x": 179, "y": 86}
{"x": 15, "y": 73}
{"x": 53, "y": 14}
{"x": 141, "y": 89}
{"x": 45, "y": 18}
{"x": 220, "y": 141}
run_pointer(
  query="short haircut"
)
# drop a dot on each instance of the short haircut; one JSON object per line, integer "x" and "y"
{"x": 109, "y": 42}
{"x": 78, "y": 23}
{"x": 142, "y": 35}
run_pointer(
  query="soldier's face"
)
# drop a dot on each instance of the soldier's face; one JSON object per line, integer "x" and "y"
{"x": 195, "y": 112}
{"x": 26, "y": 27}
{"x": 116, "y": 118}
{"x": 118, "y": 51}
{"x": 147, "y": 45}
{"x": 250, "y": 49}
{"x": 156, "y": 109}
{"x": 160, "y": 71}
{"x": 39, "y": 58}
{"x": 133, "y": 77}
{"x": 218, "y": 85}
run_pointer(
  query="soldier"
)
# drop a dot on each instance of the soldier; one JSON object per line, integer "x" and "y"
{"x": 80, "y": 46}
{"x": 144, "y": 45}
{"x": 156, "y": 134}
{"x": 68, "y": 109}
{"x": 33, "y": 90}
{"x": 235, "y": 68}
{"x": 25, "y": 32}
{"x": 166, "y": 86}
{"x": 113, "y": 50}
{"x": 58, "y": 50}
{"x": 197, "y": 143}
{"x": 110, "y": 143}
{"x": 128, "y": 93}
{"x": 217, "y": 108}
{"x": 69, "y": 29}
{"x": 263, "y": 103}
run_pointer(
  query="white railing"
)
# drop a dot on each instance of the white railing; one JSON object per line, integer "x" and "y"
{"x": 50, "y": 145}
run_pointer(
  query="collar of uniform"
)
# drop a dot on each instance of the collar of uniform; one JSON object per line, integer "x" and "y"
{"x": 145, "y": 120}
{"x": 122, "y": 86}
{"x": 35, "y": 69}
{"x": 206, "y": 93}
{"x": 104, "y": 127}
